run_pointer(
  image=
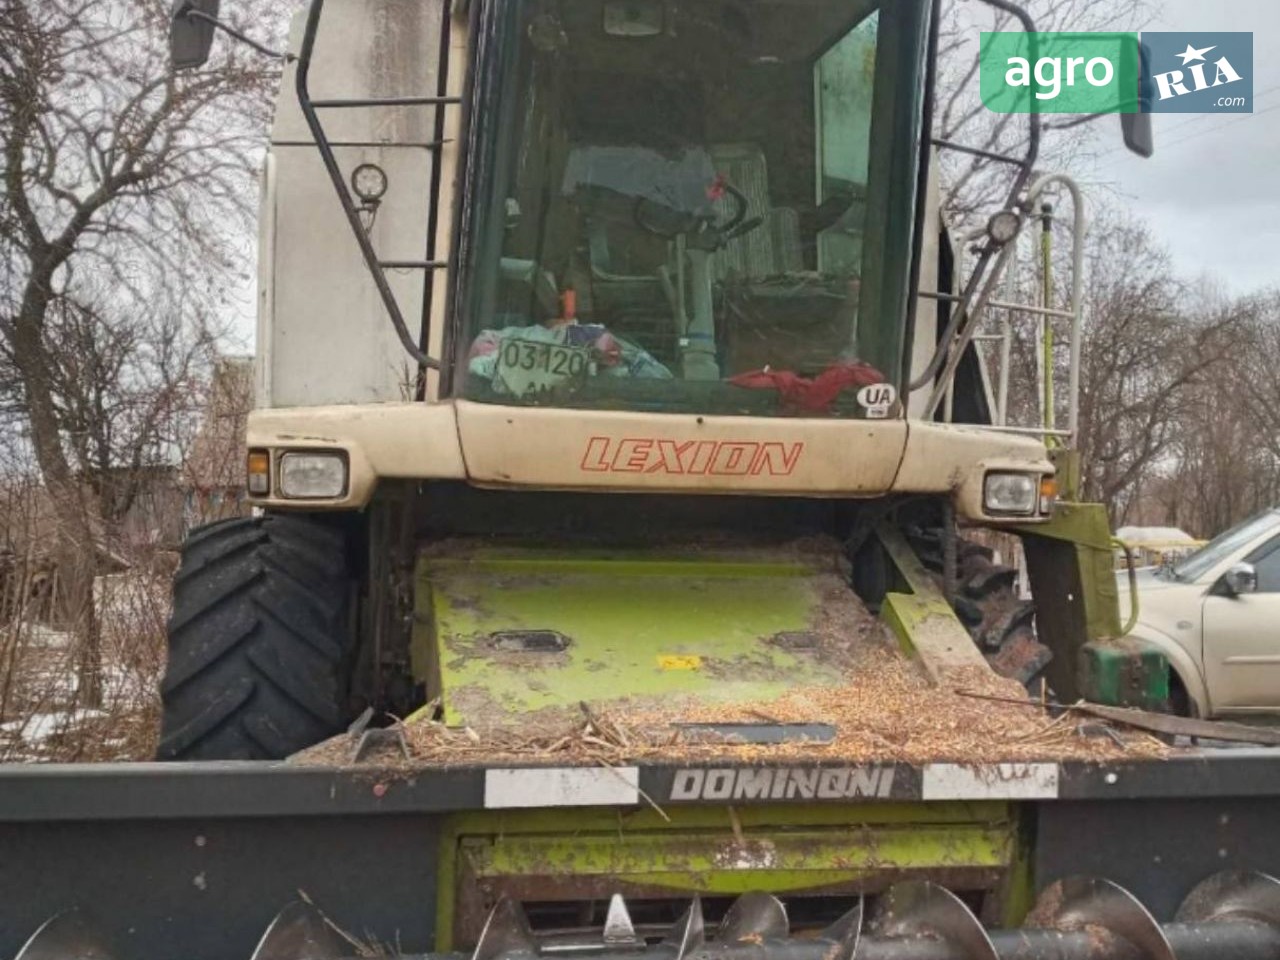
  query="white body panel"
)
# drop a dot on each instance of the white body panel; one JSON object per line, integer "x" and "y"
{"x": 619, "y": 451}
{"x": 323, "y": 334}
{"x": 636, "y": 451}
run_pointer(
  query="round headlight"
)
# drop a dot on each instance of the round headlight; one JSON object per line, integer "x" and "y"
{"x": 369, "y": 182}
{"x": 1003, "y": 227}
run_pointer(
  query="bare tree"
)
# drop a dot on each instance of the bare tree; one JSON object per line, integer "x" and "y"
{"x": 1223, "y": 464}
{"x": 128, "y": 389}
{"x": 1144, "y": 355}
{"x": 125, "y": 195}
{"x": 1224, "y": 469}
{"x": 1260, "y": 366}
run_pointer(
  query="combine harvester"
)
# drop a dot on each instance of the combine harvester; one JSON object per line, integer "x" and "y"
{"x": 642, "y": 511}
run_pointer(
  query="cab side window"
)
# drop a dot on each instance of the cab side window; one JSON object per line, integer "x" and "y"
{"x": 1266, "y": 561}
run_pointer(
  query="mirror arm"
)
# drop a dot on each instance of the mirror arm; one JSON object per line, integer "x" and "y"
{"x": 1074, "y": 121}
{"x": 236, "y": 34}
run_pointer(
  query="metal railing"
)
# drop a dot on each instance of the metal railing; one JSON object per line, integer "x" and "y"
{"x": 1009, "y": 313}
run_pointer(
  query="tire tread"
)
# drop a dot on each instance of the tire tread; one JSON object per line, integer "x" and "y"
{"x": 258, "y": 640}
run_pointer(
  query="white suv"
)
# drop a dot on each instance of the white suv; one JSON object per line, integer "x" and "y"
{"x": 1216, "y": 615}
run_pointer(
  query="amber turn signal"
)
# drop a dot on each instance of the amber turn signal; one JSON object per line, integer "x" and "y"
{"x": 258, "y": 473}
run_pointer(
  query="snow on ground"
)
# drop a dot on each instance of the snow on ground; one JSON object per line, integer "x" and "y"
{"x": 43, "y": 713}
{"x": 39, "y": 635}
{"x": 40, "y": 726}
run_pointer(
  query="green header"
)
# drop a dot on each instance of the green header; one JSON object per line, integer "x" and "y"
{"x": 1059, "y": 72}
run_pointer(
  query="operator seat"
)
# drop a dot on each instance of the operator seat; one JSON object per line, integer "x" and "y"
{"x": 617, "y": 287}
{"x": 786, "y": 325}
{"x": 772, "y": 248}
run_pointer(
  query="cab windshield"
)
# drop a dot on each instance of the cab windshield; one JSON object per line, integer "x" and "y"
{"x": 692, "y": 205}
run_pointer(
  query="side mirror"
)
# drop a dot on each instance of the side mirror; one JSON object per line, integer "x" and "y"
{"x": 1136, "y": 128}
{"x": 191, "y": 27}
{"x": 1135, "y": 124}
{"x": 1240, "y": 579}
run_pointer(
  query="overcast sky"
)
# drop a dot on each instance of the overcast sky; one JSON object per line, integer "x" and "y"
{"x": 1212, "y": 190}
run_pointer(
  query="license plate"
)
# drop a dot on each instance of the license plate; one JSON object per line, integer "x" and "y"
{"x": 526, "y": 367}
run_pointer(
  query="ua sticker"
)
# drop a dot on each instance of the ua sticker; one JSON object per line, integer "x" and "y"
{"x": 877, "y": 399}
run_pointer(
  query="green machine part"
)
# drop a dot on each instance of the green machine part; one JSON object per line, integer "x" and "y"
{"x": 1071, "y": 563}
{"x": 842, "y": 851}
{"x": 642, "y": 627}
{"x": 1125, "y": 673}
{"x": 638, "y": 627}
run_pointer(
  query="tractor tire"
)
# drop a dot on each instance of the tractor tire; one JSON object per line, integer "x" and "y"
{"x": 987, "y": 603}
{"x": 1001, "y": 624}
{"x": 259, "y": 641}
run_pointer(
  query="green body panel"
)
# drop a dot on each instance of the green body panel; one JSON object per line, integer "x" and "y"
{"x": 923, "y": 620}
{"x": 917, "y": 620}
{"x": 1066, "y": 466}
{"x": 1072, "y": 567}
{"x": 1019, "y": 887}
{"x": 1084, "y": 524}
{"x": 795, "y": 859}
{"x": 639, "y": 627}
{"x": 1124, "y": 673}
{"x": 722, "y": 851}
{"x": 909, "y": 614}
{"x": 906, "y": 614}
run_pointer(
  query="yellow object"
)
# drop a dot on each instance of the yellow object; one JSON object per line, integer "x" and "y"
{"x": 679, "y": 662}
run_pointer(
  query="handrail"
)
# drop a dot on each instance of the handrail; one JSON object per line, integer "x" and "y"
{"x": 1077, "y": 287}
{"x": 1133, "y": 586}
{"x": 999, "y": 304}
{"x": 987, "y": 302}
{"x": 330, "y": 161}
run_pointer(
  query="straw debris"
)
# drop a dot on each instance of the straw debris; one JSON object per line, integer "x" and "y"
{"x": 885, "y": 712}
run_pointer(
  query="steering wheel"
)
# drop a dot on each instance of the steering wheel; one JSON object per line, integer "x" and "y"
{"x": 702, "y": 225}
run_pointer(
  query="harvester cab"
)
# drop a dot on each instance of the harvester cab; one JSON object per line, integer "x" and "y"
{"x": 688, "y": 255}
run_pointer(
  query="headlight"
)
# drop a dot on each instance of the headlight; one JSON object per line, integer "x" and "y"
{"x": 1011, "y": 493}
{"x": 313, "y": 476}
{"x": 1003, "y": 227}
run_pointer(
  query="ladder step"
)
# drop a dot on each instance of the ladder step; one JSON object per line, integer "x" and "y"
{"x": 388, "y": 102}
{"x": 413, "y": 264}
{"x": 417, "y": 144}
